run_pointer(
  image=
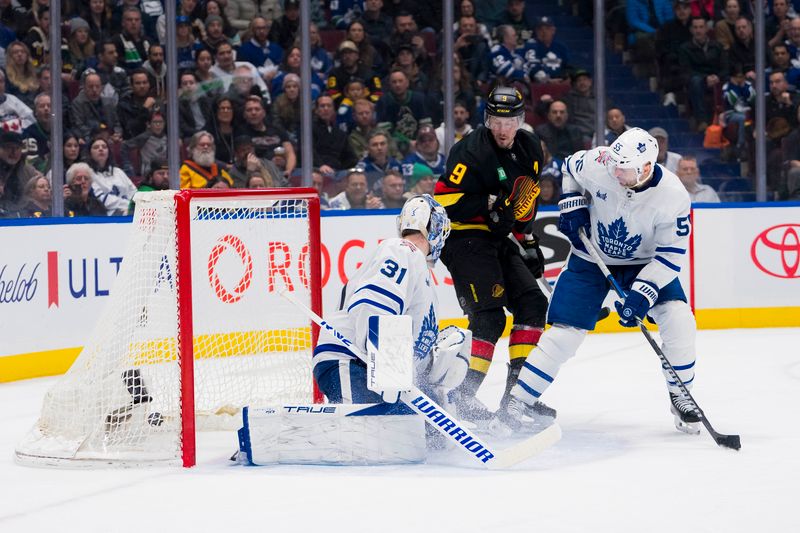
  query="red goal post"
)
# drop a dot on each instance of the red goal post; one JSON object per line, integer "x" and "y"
{"x": 194, "y": 329}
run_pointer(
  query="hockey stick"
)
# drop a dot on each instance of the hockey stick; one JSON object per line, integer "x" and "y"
{"x": 446, "y": 424}
{"x": 547, "y": 290}
{"x": 727, "y": 441}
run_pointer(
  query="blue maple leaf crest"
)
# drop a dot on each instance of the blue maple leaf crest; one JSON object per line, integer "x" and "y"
{"x": 614, "y": 240}
{"x": 427, "y": 335}
{"x": 641, "y": 147}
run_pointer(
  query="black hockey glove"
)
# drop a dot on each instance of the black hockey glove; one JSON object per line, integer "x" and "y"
{"x": 532, "y": 256}
{"x": 501, "y": 215}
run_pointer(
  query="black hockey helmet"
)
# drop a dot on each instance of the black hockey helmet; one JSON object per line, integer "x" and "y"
{"x": 505, "y": 102}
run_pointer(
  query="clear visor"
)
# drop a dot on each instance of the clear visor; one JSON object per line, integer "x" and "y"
{"x": 503, "y": 123}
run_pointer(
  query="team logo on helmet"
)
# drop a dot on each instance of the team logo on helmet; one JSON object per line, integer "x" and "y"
{"x": 641, "y": 147}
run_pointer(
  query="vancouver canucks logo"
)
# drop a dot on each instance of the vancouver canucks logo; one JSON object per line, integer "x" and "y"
{"x": 427, "y": 335}
{"x": 641, "y": 147}
{"x": 615, "y": 241}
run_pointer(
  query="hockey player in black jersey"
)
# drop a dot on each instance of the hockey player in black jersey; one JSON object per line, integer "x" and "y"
{"x": 489, "y": 190}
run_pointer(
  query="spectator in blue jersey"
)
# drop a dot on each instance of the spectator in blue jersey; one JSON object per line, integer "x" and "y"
{"x": 343, "y": 12}
{"x": 378, "y": 161}
{"x": 260, "y": 51}
{"x": 552, "y": 57}
{"x": 401, "y": 108}
{"x": 132, "y": 43}
{"x": 354, "y": 90}
{"x": 291, "y": 65}
{"x": 793, "y": 41}
{"x": 321, "y": 61}
{"x": 739, "y": 96}
{"x": 507, "y": 66}
{"x": 704, "y": 64}
{"x": 426, "y": 152}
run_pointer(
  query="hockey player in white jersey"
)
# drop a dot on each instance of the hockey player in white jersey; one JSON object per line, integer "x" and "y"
{"x": 636, "y": 212}
{"x": 396, "y": 280}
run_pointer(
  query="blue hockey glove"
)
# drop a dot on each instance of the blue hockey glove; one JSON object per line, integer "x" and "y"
{"x": 640, "y": 299}
{"x": 574, "y": 216}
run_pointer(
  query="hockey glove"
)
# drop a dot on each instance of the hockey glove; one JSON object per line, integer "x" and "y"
{"x": 533, "y": 257}
{"x": 501, "y": 215}
{"x": 450, "y": 357}
{"x": 574, "y": 216}
{"x": 640, "y": 299}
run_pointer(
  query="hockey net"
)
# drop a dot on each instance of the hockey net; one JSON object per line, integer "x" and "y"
{"x": 194, "y": 329}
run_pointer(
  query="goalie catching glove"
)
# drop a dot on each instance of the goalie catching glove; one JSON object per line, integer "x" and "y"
{"x": 450, "y": 357}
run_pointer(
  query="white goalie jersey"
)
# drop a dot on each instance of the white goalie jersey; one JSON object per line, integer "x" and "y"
{"x": 649, "y": 226}
{"x": 395, "y": 281}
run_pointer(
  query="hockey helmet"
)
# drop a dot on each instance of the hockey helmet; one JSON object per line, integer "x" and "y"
{"x": 424, "y": 214}
{"x": 630, "y": 154}
{"x": 504, "y": 102}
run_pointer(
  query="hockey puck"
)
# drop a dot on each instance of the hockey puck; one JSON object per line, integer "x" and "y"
{"x": 155, "y": 419}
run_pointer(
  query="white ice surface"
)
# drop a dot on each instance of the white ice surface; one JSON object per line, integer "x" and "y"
{"x": 621, "y": 466}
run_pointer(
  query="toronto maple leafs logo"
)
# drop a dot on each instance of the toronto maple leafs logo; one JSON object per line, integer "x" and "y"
{"x": 602, "y": 195}
{"x": 615, "y": 241}
{"x": 427, "y": 335}
{"x": 641, "y": 147}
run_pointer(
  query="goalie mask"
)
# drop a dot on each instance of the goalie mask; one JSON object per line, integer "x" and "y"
{"x": 630, "y": 155}
{"x": 424, "y": 214}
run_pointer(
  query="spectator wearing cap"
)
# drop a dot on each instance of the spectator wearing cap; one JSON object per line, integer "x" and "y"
{"x": 194, "y": 107}
{"x": 215, "y": 35}
{"x": 286, "y": 28}
{"x": 330, "y": 148}
{"x": 114, "y": 78}
{"x": 37, "y": 135}
{"x": 157, "y": 176}
{"x": 15, "y": 172}
{"x": 134, "y": 108}
{"x": 406, "y": 60}
{"x": 186, "y": 44}
{"x": 461, "y": 123}
{"x": 689, "y": 174}
{"x": 132, "y": 43}
{"x": 393, "y": 186}
{"x": 403, "y": 30}
{"x": 201, "y": 170}
{"x": 507, "y": 65}
{"x": 377, "y": 23}
{"x": 581, "y": 104}
{"x": 247, "y": 164}
{"x": 420, "y": 180}
{"x": 378, "y": 161}
{"x": 356, "y": 193}
{"x": 666, "y": 159}
{"x": 215, "y": 7}
{"x": 349, "y": 67}
{"x": 472, "y": 48}
{"x": 517, "y": 16}
{"x": 225, "y": 69}
{"x": 266, "y": 136}
{"x": 704, "y": 65}
{"x": 259, "y": 50}
{"x": 79, "y": 49}
{"x": 151, "y": 144}
{"x": 426, "y": 151}
{"x": 552, "y": 56}
{"x": 401, "y": 108}
{"x": 79, "y": 198}
{"x": 90, "y": 112}
{"x": 291, "y": 65}
{"x": 562, "y": 138}
{"x": 669, "y": 39}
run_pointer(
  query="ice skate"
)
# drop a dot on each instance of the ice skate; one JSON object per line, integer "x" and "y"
{"x": 686, "y": 417}
{"x": 508, "y": 421}
{"x": 469, "y": 408}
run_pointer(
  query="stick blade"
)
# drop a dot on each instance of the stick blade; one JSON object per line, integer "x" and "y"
{"x": 729, "y": 441}
{"x": 526, "y": 449}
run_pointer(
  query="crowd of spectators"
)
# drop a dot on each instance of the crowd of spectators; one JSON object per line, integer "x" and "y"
{"x": 376, "y": 86}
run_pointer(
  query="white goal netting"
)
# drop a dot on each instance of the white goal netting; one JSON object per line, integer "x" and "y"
{"x": 122, "y": 400}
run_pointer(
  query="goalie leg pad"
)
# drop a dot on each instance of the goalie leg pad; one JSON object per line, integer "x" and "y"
{"x": 678, "y": 330}
{"x": 325, "y": 434}
{"x": 344, "y": 381}
{"x": 556, "y": 346}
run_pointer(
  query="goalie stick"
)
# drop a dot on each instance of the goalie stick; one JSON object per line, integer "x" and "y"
{"x": 444, "y": 423}
{"x": 727, "y": 441}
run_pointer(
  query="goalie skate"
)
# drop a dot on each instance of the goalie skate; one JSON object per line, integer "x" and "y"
{"x": 686, "y": 418}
